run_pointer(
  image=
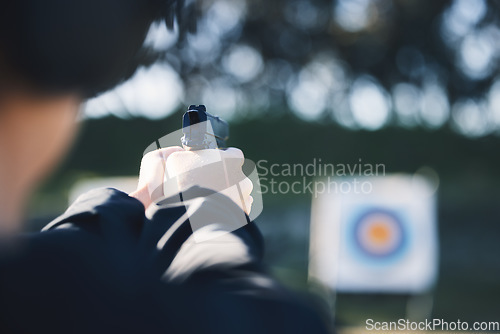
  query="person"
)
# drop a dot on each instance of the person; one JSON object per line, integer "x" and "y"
{"x": 114, "y": 262}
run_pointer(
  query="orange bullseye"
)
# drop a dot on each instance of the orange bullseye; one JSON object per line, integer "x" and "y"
{"x": 379, "y": 233}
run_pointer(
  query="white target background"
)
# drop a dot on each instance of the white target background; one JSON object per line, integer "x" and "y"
{"x": 383, "y": 241}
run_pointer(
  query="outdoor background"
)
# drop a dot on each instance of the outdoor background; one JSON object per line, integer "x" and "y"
{"x": 404, "y": 83}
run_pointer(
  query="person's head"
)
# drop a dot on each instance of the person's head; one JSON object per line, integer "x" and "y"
{"x": 53, "y": 55}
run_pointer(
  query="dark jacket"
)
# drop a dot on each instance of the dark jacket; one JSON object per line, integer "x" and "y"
{"x": 106, "y": 267}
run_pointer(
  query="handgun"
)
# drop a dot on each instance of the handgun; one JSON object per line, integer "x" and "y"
{"x": 202, "y": 130}
{"x": 205, "y": 131}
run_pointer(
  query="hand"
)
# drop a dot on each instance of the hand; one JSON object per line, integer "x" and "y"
{"x": 168, "y": 171}
{"x": 151, "y": 175}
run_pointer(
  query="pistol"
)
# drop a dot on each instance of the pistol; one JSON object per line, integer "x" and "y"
{"x": 202, "y": 130}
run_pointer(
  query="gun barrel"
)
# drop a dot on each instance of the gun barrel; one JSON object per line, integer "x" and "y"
{"x": 202, "y": 130}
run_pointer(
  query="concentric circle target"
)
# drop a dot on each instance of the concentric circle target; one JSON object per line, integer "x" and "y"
{"x": 379, "y": 233}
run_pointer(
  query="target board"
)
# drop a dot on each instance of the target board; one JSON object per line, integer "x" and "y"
{"x": 385, "y": 241}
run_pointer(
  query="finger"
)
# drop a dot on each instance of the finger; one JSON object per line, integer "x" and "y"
{"x": 233, "y": 153}
{"x": 150, "y": 156}
{"x": 246, "y": 187}
{"x": 162, "y": 153}
{"x": 167, "y": 151}
{"x": 248, "y": 204}
{"x": 233, "y": 158}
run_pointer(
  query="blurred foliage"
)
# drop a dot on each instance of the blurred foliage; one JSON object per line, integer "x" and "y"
{"x": 359, "y": 63}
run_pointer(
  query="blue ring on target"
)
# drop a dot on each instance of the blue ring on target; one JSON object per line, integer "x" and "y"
{"x": 379, "y": 234}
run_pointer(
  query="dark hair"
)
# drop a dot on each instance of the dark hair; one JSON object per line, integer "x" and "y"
{"x": 85, "y": 46}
